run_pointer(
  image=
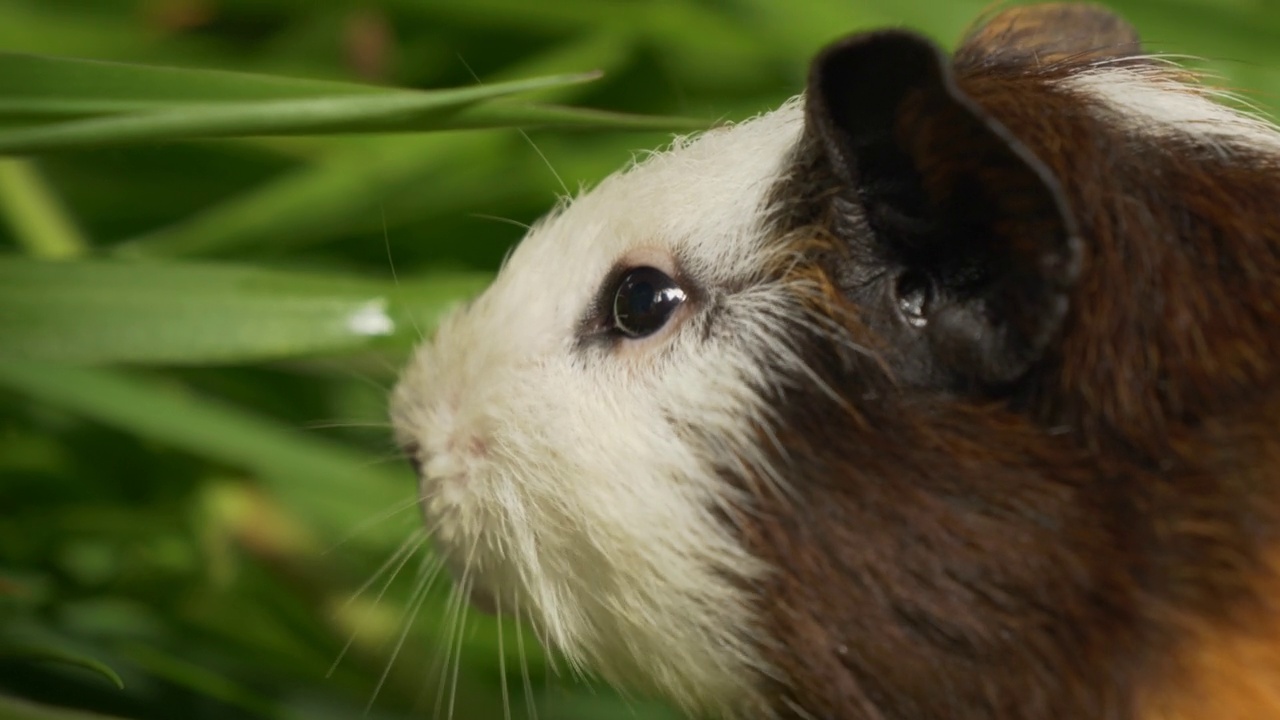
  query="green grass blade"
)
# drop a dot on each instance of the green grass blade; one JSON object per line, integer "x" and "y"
{"x": 348, "y": 186}
{"x": 90, "y": 312}
{"x": 509, "y": 114}
{"x": 352, "y": 184}
{"x": 184, "y": 673}
{"x": 327, "y": 485}
{"x": 39, "y": 220}
{"x": 425, "y": 110}
{"x": 65, "y": 657}
{"x": 12, "y": 708}
{"x": 34, "y": 85}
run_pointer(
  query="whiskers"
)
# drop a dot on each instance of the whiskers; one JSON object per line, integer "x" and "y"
{"x": 455, "y": 620}
{"x": 502, "y": 664}
{"x": 448, "y": 664}
{"x": 444, "y": 689}
{"x": 504, "y": 220}
{"x": 398, "y": 559}
{"x": 395, "y": 279}
{"x": 347, "y": 424}
{"x": 376, "y": 520}
{"x": 524, "y": 662}
{"x": 428, "y": 571}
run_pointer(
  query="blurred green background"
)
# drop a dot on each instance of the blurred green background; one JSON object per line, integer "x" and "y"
{"x": 199, "y": 499}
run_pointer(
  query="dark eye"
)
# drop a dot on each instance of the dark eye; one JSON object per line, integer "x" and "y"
{"x": 644, "y": 301}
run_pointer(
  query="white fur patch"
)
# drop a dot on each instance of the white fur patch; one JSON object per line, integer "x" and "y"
{"x": 1157, "y": 103}
{"x": 581, "y": 484}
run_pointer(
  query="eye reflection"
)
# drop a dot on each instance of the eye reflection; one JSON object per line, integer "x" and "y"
{"x": 644, "y": 301}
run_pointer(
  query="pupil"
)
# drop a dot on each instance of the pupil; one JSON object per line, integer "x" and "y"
{"x": 644, "y": 300}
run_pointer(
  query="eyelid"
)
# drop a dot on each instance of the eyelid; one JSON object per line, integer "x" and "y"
{"x": 656, "y": 258}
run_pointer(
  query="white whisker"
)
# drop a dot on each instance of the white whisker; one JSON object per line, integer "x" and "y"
{"x": 369, "y": 380}
{"x": 456, "y": 652}
{"x": 452, "y": 614}
{"x": 467, "y": 580}
{"x": 395, "y": 280}
{"x": 542, "y": 641}
{"x": 524, "y": 664}
{"x": 526, "y": 137}
{"x": 343, "y": 424}
{"x": 425, "y": 578}
{"x": 498, "y": 218}
{"x": 502, "y": 661}
{"x": 545, "y": 161}
{"x": 377, "y": 519}
{"x": 402, "y": 554}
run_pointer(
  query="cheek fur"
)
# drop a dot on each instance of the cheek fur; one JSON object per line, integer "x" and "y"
{"x": 584, "y": 492}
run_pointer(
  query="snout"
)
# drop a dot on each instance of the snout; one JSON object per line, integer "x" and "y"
{"x": 442, "y": 500}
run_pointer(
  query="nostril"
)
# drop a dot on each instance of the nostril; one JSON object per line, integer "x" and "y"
{"x": 473, "y": 447}
{"x": 412, "y": 451}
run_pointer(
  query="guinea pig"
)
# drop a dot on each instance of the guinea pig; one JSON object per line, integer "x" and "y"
{"x": 947, "y": 390}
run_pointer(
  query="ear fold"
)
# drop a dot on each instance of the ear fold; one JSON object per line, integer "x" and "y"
{"x": 952, "y": 199}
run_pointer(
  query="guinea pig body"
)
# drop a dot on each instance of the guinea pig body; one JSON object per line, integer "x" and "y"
{"x": 946, "y": 390}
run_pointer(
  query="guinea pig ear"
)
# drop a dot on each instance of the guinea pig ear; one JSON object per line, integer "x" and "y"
{"x": 1046, "y": 34}
{"x": 953, "y": 201}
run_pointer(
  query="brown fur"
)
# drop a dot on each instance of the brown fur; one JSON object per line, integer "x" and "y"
{"x": 1049, "y": 34}
{"x": 1093, "y": 537}
{"x": 1223, "y": 673}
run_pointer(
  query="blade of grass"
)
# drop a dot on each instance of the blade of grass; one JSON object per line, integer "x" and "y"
{"x": 12, "y": 708}
{"x": 35, "y": 85}
{"x": 330, "y": 487}
{"x": 39, "y": 220}
{"x": 528, "y": 115}
{"x": 349, "y": 187}
{"x": 90, "y": 312}
{"x": 65, "y": 657}
{"x": 344, "y": 188}
{"x": 184, "y": 673}
{"x": 608, "y": 49}
{"x": 423, "y": 110}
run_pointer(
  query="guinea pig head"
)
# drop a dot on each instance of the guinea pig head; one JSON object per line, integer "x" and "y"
{"x": 894, "y": 402}
{"x": 573, "y": 422}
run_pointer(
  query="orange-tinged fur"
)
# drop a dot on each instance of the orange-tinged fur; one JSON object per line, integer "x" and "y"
{"x": 1224, "y": 672}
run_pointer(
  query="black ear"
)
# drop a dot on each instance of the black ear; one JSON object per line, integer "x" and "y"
{"x": 959, "y": 209}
